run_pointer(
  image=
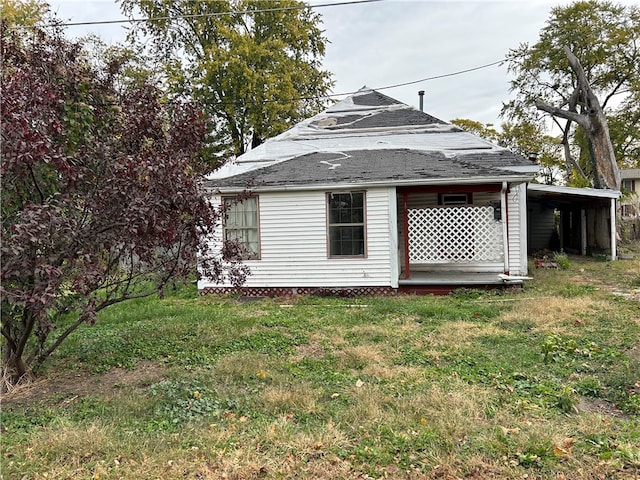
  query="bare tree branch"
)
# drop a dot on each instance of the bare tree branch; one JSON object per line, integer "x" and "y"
{"x": 559, "y": 112}
{"x": 594, "y": 122}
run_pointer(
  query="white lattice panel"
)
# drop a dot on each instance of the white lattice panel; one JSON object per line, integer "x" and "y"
{"x": 454, "y": 235}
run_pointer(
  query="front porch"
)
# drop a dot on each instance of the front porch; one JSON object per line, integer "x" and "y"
{"x": 453, "y": 236}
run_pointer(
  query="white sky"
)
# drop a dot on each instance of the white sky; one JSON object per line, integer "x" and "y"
{"x": 397, "y": 41}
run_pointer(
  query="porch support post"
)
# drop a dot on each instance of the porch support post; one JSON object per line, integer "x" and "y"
{"x": 405, "y": 219}
{"x": 614, "y": 243}
{"x": 561, "y": 215}
{"x": 583, "y": 232}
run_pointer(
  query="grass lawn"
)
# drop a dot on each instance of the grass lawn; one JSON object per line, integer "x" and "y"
{"x": 540, "y": 384}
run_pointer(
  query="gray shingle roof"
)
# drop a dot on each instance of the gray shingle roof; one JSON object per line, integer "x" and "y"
{"x": 630, "y": 173}
{"x": 374, "y": 98}
{"x": 392, "y": 118}
{"x": 369, "y": 166}
{"x": 371, "y": 138}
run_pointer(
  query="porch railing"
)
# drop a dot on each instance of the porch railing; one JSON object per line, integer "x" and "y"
{"x": 454, "y": 235}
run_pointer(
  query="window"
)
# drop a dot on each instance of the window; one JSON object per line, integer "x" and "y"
{"x": 241, "y": 225}
{"x": 629, "y": 185}
{"x": 346, "y": 224}
{"x": 455, "y": 199}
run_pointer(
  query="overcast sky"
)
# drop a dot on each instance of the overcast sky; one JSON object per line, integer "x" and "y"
{"x": 397, "y": 41}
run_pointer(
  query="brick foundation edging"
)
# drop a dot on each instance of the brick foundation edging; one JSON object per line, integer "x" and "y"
{"x": 293, "y": 291}
{"x": 346, "y": 292}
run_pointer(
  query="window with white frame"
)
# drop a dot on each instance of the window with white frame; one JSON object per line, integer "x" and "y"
{"x": 241, "y": 225}
{"x": 346, "y": 223}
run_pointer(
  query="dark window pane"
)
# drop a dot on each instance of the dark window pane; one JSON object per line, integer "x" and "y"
{"x": 346, "y": 241}
{"x": 357, "y": 215}
{"x": 346, "y": 224}
{"x": 334, "y": 215}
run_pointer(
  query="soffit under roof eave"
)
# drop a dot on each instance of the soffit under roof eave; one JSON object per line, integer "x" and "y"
{"x": 521, "y": 169}
{"x": 539, "y": 190}
{"x": 516, "y": 179}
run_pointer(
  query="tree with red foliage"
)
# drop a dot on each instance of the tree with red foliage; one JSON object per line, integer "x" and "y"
{"x": 101, "y": 195}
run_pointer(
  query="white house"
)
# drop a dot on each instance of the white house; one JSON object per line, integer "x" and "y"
{"x": 374, "y": 196}
{"x": 631, "y": 186}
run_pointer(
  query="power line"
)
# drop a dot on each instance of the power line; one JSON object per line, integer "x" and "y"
{"x": 388, "y": 87}
{"x": 297, "y": 7}
{"x": 213, "y": 14}
{"x": 459, "y": 72}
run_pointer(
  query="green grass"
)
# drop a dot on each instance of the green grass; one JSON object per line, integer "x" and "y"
{"x": 542, "y": 383}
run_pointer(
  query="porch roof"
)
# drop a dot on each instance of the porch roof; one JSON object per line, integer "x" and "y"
{"x": 567, "y": 196}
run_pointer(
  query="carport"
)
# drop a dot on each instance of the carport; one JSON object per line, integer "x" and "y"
{"x": 575, "y": 220}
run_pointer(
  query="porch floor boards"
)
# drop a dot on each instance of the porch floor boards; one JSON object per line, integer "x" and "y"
{"x": 440, "y": 278}
{"x": 443, "y": 283}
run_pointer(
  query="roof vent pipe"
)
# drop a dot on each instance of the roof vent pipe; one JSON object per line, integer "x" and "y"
{"x": 421, "y": 95}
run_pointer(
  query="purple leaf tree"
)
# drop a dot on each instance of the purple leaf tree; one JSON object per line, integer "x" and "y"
{"x": 101, "y": 193}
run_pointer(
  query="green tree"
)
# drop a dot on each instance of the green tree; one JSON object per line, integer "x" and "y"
{"x": 526, "y": 139}
{"x": 24, "y": 13}
{"x": 254, "y": 65}
{"x": 604, "y": 37}
{"x": 486, "y": 131}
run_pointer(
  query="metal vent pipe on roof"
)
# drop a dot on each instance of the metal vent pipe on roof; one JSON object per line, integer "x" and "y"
{"x": 421, "y": 95}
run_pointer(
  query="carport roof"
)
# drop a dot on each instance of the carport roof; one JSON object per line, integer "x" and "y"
{"x": 569, "y": 195}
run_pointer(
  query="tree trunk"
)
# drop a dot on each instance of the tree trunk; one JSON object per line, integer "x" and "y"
{"x": 14, "y": 369}
{"x": 602, "y": 149}
{"x": 594, "y": 122}
{"x": 14, "y": 341}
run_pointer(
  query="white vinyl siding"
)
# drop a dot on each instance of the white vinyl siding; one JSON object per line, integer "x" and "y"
{"x": 293, "y": 240}
{"x": 517, "y": 203}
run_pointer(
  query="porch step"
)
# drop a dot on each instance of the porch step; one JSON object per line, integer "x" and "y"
{"x": 443, "y": 283}
{"x": 460, "y": 279}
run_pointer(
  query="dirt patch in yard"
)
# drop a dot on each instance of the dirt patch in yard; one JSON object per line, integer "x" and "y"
{"x": 599, "y": 406}
{"x": 634, "y": 352}
{"x": 85, "y": 383}
{"x": 621, "y": 277}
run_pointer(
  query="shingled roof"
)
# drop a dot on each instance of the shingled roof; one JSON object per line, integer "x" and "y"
{"x": 370, "y": 138}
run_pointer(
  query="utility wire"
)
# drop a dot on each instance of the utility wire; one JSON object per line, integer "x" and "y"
{"x": 276, "y": 9}
{"x": 459, "y": 72}
{"x": 213, "y": 14}
{"x": 388, "y": 87}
